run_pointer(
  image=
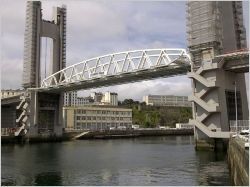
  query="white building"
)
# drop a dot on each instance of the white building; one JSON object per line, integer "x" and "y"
{"x": 110, "y": 98}
{"x": 167, "y": 100}
{"x": 95, "y": 98}
{"x": 184, "y": 126}
{"x": 70, "y": 98}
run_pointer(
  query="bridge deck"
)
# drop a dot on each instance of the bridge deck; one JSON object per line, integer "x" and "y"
{"x": 164, "y": 71}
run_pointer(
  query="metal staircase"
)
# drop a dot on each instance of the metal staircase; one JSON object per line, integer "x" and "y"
{"x": 209, "y": 132}
{"x": 208, "y": 107}
{"x": 23, "y": 119}
{"x": 202, "y": 80}
{"x": 202, "y": 117}
{"x": 198, "y": 99}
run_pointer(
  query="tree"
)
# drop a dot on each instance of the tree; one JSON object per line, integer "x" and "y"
{"x": 151, "y": 116}
{"x": 128, "y": 102}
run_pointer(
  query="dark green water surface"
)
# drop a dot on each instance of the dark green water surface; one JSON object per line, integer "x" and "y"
{"x": 168, "y": 161}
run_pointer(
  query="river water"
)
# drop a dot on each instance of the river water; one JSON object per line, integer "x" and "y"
{"x": 166, "y": 160}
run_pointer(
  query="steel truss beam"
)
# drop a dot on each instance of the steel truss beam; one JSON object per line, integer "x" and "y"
{"x": 118, "y": 65}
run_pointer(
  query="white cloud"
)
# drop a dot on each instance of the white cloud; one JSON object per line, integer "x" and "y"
{"x": 96, "y": 28}
{"x": 11, "y": 73}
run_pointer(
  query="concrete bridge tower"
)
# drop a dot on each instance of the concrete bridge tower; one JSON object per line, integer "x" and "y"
{"x": 43, "y": 111}
{"x": 213, "y": 29}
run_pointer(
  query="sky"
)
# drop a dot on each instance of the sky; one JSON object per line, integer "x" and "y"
{"x": 96, "y": 28}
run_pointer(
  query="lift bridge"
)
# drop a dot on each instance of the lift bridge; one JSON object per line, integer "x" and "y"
{"x": 112, "y": 69}
{"x": 217, "y": 75}
{"x": 120, "y": 68}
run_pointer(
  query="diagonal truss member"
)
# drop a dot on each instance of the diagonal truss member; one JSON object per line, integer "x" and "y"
{"x": 117, "y": 64}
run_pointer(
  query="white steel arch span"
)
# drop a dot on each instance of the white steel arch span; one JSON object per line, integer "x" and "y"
{"x": 127, "y": 64}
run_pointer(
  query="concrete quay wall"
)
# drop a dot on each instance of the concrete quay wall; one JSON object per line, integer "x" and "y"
{"x": 96, "y": 135}
{"x": 131, "y": 133}
{"x": 238, "y": 161}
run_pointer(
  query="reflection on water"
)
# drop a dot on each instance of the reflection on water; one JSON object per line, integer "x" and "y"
{"x": 48, "y": 179}
{"x": 215, "y": 173}
{"x": 167, "y": 160}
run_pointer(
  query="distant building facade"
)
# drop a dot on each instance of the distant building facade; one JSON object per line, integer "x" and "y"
{"x": 10, "y": 93}
{"x": 110, "y": 98}
{"x": 82, "y": 101}
{"x": 70, "y": 98}
{"x": 96, "y": 117}
{"x": 167, "y": 100}
{"x": 96, "y": 96}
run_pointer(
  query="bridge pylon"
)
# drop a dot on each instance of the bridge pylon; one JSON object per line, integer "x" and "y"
{"x": 41, "y": 113}
{"x": 215, "y": 34}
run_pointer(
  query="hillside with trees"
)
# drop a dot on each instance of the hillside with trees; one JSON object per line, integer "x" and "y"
{"x": 153, "y": 116}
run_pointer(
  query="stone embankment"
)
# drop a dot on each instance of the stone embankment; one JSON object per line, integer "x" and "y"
{"x": 238, "y": 161}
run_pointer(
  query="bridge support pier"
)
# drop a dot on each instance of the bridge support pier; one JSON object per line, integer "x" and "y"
{"x": 203, "y": 142}
{"x": 214, "y": 102}
{"x": 46, "y": 115}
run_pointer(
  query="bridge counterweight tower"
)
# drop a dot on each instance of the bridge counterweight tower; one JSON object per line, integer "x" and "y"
{"x": 35, "y": 29}
{"x": 45, "y": 109}
{"x": 215, "y": 32}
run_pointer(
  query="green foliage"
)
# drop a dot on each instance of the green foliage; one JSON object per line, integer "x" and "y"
{"x": 130, "y": 102}
{"x": 152, "y": 116}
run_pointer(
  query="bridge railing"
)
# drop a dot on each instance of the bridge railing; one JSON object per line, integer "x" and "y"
{"x": 116, "y": 64}
{"x": 239, "y": 126}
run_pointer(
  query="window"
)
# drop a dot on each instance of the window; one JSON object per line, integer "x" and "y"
{"x": 230, "y": 98}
